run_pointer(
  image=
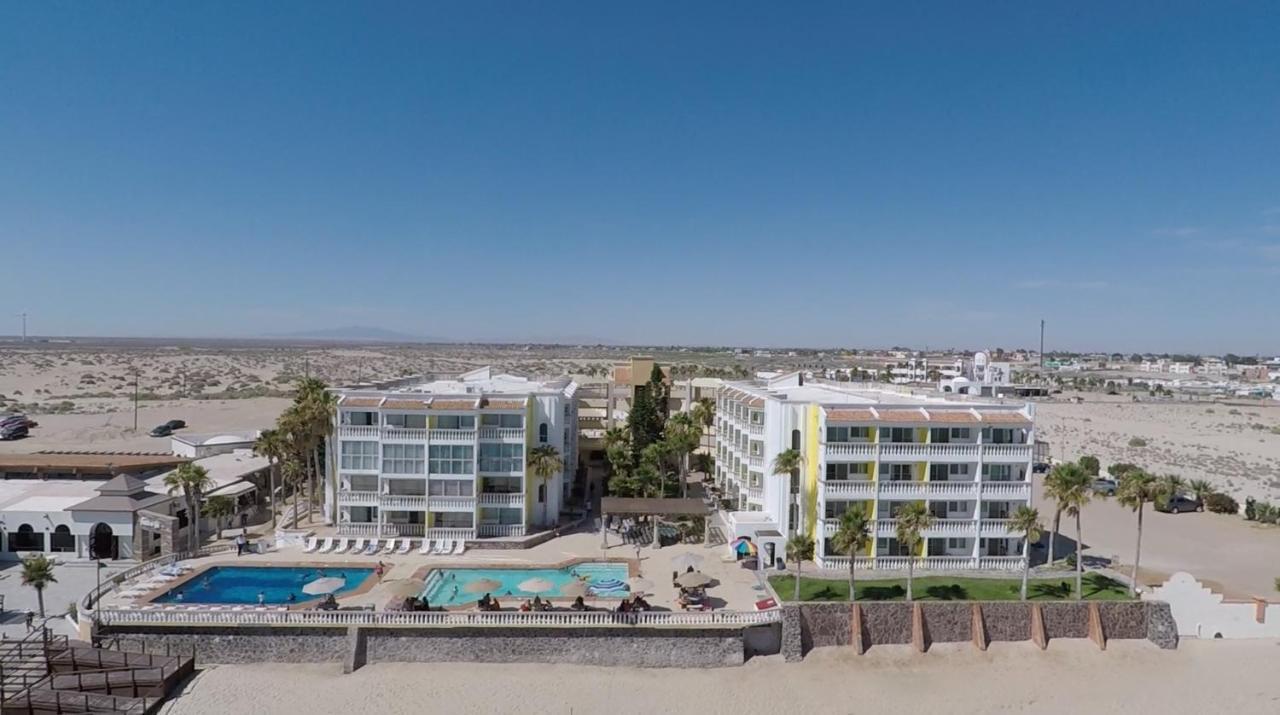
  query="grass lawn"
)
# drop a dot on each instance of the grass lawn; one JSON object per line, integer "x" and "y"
{"x": 948, "y": 588}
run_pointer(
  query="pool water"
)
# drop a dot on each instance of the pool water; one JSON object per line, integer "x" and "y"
{"x": 447, "y": 587}
{"x": 242, "y": 584}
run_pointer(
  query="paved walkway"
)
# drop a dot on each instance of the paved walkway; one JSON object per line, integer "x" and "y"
{"x": 75, "y": 579}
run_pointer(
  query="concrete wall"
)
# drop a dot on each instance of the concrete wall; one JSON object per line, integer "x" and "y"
{"x": 1201, "y": 613}
{"x": 818, "y": 625}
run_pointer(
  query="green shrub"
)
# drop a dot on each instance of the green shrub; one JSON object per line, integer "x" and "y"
{"x": 1221, "y": 504}
{"x": 1265, "y": 513}
{"x": 1250, "y": 509}
{"x": 1137, "y": 442}
{"x": 1090, "y": 464}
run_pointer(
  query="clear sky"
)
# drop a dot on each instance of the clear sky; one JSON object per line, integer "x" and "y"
{"x": 707, "y": 173}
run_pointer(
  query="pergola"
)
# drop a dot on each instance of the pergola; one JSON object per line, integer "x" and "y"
{"x": 656, "y": 508}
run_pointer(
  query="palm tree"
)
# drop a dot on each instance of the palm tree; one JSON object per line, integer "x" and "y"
{"x": 295, "y": 475}
{"x": 295, "y": 423}
{"x": 190, "y": 480}
{"x": 704, "y": 413}
{"x": 799, "y": 549}
{"x": 1074, "y": 495}
{"x": 1201, "y": 489}
{"x": 321, "y": 407}
{"x": 913, "y": 520}
{"x": 1136, "y": 489}
{"x": 1026, "y": 521}
{"x": 544, "y": 463}
{"x": 271, "y": 444}
{"x": 683, "y": 435}
{"x": 219, "y": 508}
{"x": 1057, "y": 484}
{"x": 37, "y": 572}
{"x": 852, "y": 536}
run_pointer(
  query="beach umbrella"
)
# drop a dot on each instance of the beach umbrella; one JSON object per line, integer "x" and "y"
{"x": 407, "y": 588}
{"x": 607, "y": 584}
{"x": 537, "y": 586}
{"x": 640, "y": 585}
{"x": 693, "y": 579}
{"x": 482, "y": 585}
{"x": 684, "y": 561}
{"x": 574, "y": 589}
{"x": 321, "y": 586}
{"x": 746, "y": 548}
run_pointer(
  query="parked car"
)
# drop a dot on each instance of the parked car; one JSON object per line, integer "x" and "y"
{"x": 176, "y": 424}
{"x": 163, "y": 430}
{"x": 1040, "y": 468}
{"x": 1179, "y": 504}
{"x": 1105, "y": 487}
{"x": 13, "y": 432}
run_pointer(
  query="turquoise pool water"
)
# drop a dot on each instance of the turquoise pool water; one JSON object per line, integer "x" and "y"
{"x": 447, "y": 587}
{"x": 242, "y": 584}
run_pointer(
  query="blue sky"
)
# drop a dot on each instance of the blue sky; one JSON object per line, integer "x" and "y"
{"x": 705, "y": 173}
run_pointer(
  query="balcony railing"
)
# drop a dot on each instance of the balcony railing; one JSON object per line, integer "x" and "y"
{"x": 852, "y": 489}
{"x": 441, "y": 619}
{"x": 511, "y": 501}
{"x": 357, "y": 498}
{"x": 851, "y": 450}
{"x": 1000, "y": 563}
{"x": 888, "y": 528}
{"x": 358, "y": 431}
{"x": 500, "y": 530}
{"x": 755, "y": 461}
{"x": 505, "y": 434}
{"x": 453, "y": 534}
{"x": 1006, "y": 452}
{"x": 403, "y": 501}
{"x": 457, "y": 436}
{"x": 928, "y": 490}
{"x": 755, "y": 430}
{"x": 996, "y": 528}
{"x": 927, "y": 563}
{"x": 439, "y": 503}
{"x": 913, "y": 451}
{"x": 755, "y": 494}
{"x": 1006, "y": 490}
{"x": 406, "y": 434}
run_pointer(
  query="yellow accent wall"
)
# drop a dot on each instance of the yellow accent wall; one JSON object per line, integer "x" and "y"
{"x": 530, "y": 484}
{"x": 811, "y": 454}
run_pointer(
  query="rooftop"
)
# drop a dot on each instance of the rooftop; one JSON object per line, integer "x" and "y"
{"x": 470, "y": 390}
{"x": 88, "y": 462}
{"x": 862, "y": 402}
{"x": 212, "y": 438}
{"x": 224, "y": 469}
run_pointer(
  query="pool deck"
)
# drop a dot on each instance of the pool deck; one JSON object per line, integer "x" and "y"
{"x": 734, "y": 588}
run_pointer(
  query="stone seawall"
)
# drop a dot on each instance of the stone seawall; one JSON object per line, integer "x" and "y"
{"x": 623, "y": 646}
{"x": 818, "y": 625}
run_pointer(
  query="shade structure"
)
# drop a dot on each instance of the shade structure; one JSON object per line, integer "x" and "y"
{"x": 574, "y": 589}
{"x": 537, "y": 585}
{"x": 607, "y": 584}
{"x": 639, "y": 585}
{"x": 693, "y": 579}
{"x": 684, "y": 561}
{"x": 481, "y": 585}
{"x": 746, "y": 548}
{"x": 406, "y": 588}
{"x": 321, "y": 586}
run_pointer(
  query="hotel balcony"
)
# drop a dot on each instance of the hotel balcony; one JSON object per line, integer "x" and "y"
{"x": 507, "y": 434}
{"x": 888, "y": 528}
{"x": 451, "y": 436}
{"x": 403, "y": 502}
{"x": 500, "y": 530}
{"x": 1014, "y": 491}
{"x": 922, "y": 452}
{"x": 514, "y": 500}
{"x": 439, "y": 503}
{"x": 926, "y": 563}
{"x": 849, "y": 490}
{"x": 359, "y": 431}
{"x": 364, "y": 498}
{"x": 928, "y": 490}
{"x": 864, "y": 489}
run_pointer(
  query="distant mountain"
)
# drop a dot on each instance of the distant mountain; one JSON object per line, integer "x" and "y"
{"x": 359, "y": 333}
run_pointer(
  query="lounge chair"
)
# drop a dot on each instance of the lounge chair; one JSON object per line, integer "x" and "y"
{"x": 326, "y": 546}
{"x": 341, "y": 548}
{"x": 391, "y": 546}
{"x": 312, "y": 544}
{"x": 426, "y": 547}
{"x": 358, "y": 546}
{"x": 442, "y": 547}
{"x": 459, "y": 547}
{"x": 405, "y": 545}
{"x": 372, "y": 548}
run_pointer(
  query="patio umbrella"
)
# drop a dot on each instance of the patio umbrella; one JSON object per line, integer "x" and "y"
{"x": 684, "y": 561}
{"x": 693, "y": 579}
{"x": 746, "y": 548}
{"x": 321, "y": 586}
{"x": 407, "y": 588}
{"x": 481, "y": 585}
{"x": 574, "y": 589}
{"x": 537, "y": 586}
{"x": 640, "y": 585}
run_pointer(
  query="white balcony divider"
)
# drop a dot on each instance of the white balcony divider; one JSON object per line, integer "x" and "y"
{"x": 500, "y": 530}
{"x": 512, "y": 501}
{"x": 429, "y": 619}
{"x": 405, "y": 434}
{"x": 447, "y": 533}
{"x": 348, "y": 498}
{"x": 504, "y": 433}
{"x": 403, "y": 501}
{"x": 851, "y": 489}
{"x": 461, "y": 436}
{"x": 439, "y": 503}
{"x": 358, "y": 431}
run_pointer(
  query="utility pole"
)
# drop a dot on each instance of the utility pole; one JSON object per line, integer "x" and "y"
{"x": 135, "y": 399}
{"x": 1042, "y": 347}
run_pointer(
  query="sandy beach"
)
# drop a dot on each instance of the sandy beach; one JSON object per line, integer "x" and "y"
{"x": 1069, "y": 677}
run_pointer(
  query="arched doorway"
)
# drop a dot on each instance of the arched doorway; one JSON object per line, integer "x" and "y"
{"x": 102, "y": 542}
{"x": 62, "y": 540}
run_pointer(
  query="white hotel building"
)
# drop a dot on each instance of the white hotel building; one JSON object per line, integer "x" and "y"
{"x": 445, "y": 458}
{"x": 863, "y": 448}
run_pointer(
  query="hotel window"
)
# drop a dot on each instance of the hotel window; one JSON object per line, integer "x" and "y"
{"x": 896, "y": 472}
{"x": 456, "y": 422}
{"x": 961, "y": 433}
{"x": 993, "y": 435}
{"x": 897, "y": 434}
{"x": 452, "y": 519}
{"x": 406, "y": 421}
{"x": 359, "y": 455}
{"x": 503, "y": 421}
{"x": 451, "y": 459}
{"x": 842, "y": 472}
{"x": 363, "y": 514}
{"x": 402, "y": 459}
{"x": 360, "y": 419}
{"x": 756, "y": 479}
{"x": 501, "y": 457}
{"x": 956, "y": 543}
{"x": 450, "y": 488}
{"x": 757, "y": 448}
{"x": 757, "y": 417}
{"x": 501, "y": 485}
{"x": 542, "y": 433}
{"x": 996, "y": 472}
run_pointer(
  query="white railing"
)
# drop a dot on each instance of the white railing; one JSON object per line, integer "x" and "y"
{"x": 514, "y": 500}
{"x": 439, "y": 503}
{"x": 928, "y": 490}
{"x": 928, "y": 563}
{"x": 941, "y": 452}
{"x": 854, "y": 450}
{"x": 886, "y": 527}
{"x": 428, "y": 619}
{"x": 452, "y": 435}
{"x": 504, "y": 433}
{"x": 755, "y": 430}
{"x": 500, "y": 530}
{"x": 755, "y": 493}
{"x": 454, "y": 534}
{"x": 1006, "y": 452}
{"x": 1000, "y": 563}
{"x": 348, "y": 498}
{"x": 952, "y": 527}
{"x": 358, "y": 431}
{"x": 1006, "y": 490}
{"x": 403, "y": 501}
{"x": 842, "y": 562}
{"x": 945, "y": 563}
{"x": 404, "y": 433}
{"x": 403, "y": 529}
{"x": 755, "y": 461}
{"x": 892, "y": 563}
{"x": 348, "y": 528}
{"x": 995, "y": 528}
{"x": 852, "y": 489}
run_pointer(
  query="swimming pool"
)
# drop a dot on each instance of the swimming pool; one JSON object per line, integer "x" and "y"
{"x": 447, "y": 587}
{"x": 242, "y": 584}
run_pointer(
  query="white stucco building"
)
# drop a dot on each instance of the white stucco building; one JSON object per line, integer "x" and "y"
{"x": 445, "y": 458}
{"x": 969, "y": 461}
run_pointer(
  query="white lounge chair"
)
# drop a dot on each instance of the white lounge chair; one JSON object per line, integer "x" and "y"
{"x": 426, "y": 547}
{"x": 391, "y": 546}
{"x": 372, "y": 548}
{"x": 358, "y": 546}
{"x": 442, "y": 547}
{"x": 405, "y": 545}
{"x": 341, "y": 548}
{"x": 326, "y": 546}
{"x": 460, "y": 547}
{"x": 312, "y": 544}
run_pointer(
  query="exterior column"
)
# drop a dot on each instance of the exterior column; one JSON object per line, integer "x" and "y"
{"x": 604, "y": 533}
{"x": 657, "y": 522}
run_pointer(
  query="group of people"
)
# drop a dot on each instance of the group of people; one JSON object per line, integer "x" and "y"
{"x": 488, "y": 603}
{"x": 634, "y": 604}
{"x": 537, "y": 604}
{"x": 417, "y": 604}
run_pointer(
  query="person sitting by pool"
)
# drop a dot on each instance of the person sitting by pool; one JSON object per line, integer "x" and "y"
{"x": 379, "y": 569}
{"x": 177, "y": 596}
{"x": 262, "y": 598}
{"x": 483, "y": 603}
{"x": 639, "y": 604}
{"x": 291, "y": 598}
{"x": 526, "y": 606}
{"x": 537, "y": 603}
{"x": 494, "y": 605}
{"x": 579, "y": 604}
{"x": 329, "y": 603}
{"x": 624, "y": 607}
